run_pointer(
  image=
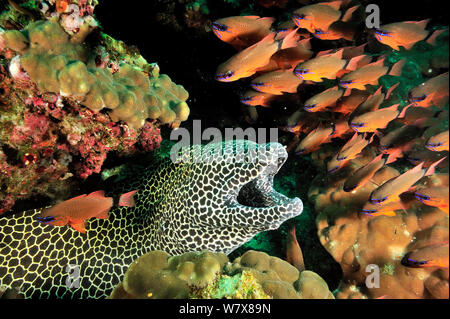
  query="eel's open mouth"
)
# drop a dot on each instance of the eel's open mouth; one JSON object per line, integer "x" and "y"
{"x": 260, "y": 196}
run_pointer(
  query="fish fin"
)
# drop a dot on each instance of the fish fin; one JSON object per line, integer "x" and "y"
{"x": 306, "y": 43}
{"x": 349, "y": 13}
{"x": 290, "y": 40}
{"x": 393, "y": 156}
{"x": 432, "y": 168}
{"x": 392, "y": 107}
{"x": 333, "y": 88}
{"x": 97, "y": 194}
{"x": 376, "y": 159}
{"x": 322, "y": 53}
{"x": 432, "y": 38}
{"x": 377, "y": 92}
{"x": 252, "y": 17}
{"x": 266, "y": 21}
{"x": 103, "y": 214}
{"x": 334, "y": 4}
{"x": 127, "y": 199}
{"x": 347, "y": 92}
{"x": 391, "y": 89}
{"x": 390, "y": 213}
{"x": 415, "y": 169}
{"x": 353, "y": 63}
{"x": 79, "y": 226}
{"x": 422, "y": 23}
{"x": 77, "y": 197}
{"x": 267, "y": 39}
{"x": 403, "y": 112}
{"x": 408, "y": 46}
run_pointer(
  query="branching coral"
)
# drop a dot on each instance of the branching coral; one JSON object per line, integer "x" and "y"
{"x": 254, "y": 275}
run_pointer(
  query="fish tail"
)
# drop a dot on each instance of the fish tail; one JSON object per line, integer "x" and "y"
{"x": 396, "y": 69}
{"x": 390, "y": 90}
{"x": 127, "y": 199}
{"x": 403, "y": 112}
{"x": 353, "y": 63}
{"x": 393, "y": 156}
{"x": 348, "y": 15}
{"x": 432, "y": 168}
{"x": 290, "y": 41}
{"x": 433, "y": 36}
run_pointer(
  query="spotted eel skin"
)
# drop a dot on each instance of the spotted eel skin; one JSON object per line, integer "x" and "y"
{"x": 190, "y": 204}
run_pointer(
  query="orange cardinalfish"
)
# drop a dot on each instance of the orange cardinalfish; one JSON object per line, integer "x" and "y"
{"x": 369, "y": 74}
{"x": 436, "y": 196}
{"x": 347, "y": 104}
{"x": 325, "y": 66}
{"x": 428, "y": 256}
{"x": 388, "y": 209}
{"x": 277, "y": 82}
{"x": 391, "y": 189}
{"x": 404, "y": 34}
{"x": 314, "y": 139}
{"x": 438, "y": 143}
{"x": 321, "y": 15}
{"x": 365, "y": 173}
{"x": 399, "y": 137}
{"x": 242, "y": 31}
{"x": 327, "y": 98}
{"x": 433, "y": 92}
{"x": 349, "y": 151}
{"x": 337, "y": 30}
{"x": 372, "y": 121}
{"x": 290, "y": 57}
{"x": 373, "y": 101}
{"x": 76, "y": 211}
{"x": 253, "y": 98}
{"x": 294, "y": 254}
{"x": 247, "y": 62}
{"x": 427, "y": 157}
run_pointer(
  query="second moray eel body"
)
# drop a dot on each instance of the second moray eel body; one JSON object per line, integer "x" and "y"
{"x": 191, "y": 204}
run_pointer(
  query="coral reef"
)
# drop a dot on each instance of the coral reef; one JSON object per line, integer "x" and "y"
{"x": 254, "y": 275}
{"x": 66, "y": 102}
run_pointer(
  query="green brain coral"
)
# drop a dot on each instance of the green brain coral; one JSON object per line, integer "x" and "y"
{"x": 205, "y": 275}
{"x": 58, "y": 64}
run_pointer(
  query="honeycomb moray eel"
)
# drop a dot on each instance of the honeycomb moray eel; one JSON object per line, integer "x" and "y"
{"x": 190, "y": 204}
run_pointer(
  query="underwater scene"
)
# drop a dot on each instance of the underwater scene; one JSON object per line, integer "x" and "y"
{"x": 224, "y": 149}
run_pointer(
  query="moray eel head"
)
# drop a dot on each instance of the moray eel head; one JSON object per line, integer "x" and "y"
{"x": 229, "y": 195}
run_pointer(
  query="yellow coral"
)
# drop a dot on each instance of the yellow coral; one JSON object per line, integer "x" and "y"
{"x": 57, "y": 64}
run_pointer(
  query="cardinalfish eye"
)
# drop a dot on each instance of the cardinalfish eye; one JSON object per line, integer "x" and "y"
{"x": 219, "y": 27}
{"x": 257, "y": 85}
{"x": 300, "y": 151}
{"x": 224, "y": 76}
{"x": 319, "y": 32}
{"x": 334, "y": 169}
{"x": 301, "y": 16}
{"x": 247, "y": 99}
{"x": 406, "y": 261}
{"x": 433, "y": 146}
{"x": 300, "y": 72}
{"x": 356, "y": 125}
{"x": 380, "y": 33}
{"x": 378, "y": 201}
{"x": 415, "y": 99}
{"x": 341, "y": 158}
{"x": 346, "y": 83}
{"x": 309, "y": 107}
{"x": 368, "y": 211}
{"x": 46, "y": 219}
{"x": 421, "y": 198}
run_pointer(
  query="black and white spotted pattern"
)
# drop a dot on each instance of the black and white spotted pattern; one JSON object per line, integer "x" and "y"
{"x": 192, "y": 204}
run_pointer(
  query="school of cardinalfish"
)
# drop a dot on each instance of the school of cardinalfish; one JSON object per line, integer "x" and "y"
{"x": 281, "y": 60}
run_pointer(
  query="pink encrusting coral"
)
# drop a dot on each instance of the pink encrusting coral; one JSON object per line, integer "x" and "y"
{"x": 64, "y": 105}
